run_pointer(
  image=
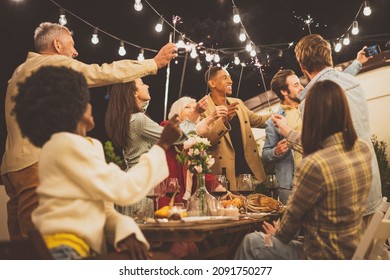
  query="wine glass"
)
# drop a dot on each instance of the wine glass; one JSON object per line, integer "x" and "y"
{"x": 157, "y": 192}
{"x": 271, "y": 185}
{"x": 171, "y": 186}
{"x": 245, "y": 187}
{"x": 219, "y": 186}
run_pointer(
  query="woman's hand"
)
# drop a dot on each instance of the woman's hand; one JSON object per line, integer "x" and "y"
{"x": 135, "y": 249}
{"x": 270, "y": 229}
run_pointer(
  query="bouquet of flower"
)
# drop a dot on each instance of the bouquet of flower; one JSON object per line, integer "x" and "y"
{"x": 195, "y": 154}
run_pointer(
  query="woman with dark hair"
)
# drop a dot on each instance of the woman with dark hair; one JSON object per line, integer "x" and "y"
{"x": 330, "y": 187}
{"x": 131, "y": 130}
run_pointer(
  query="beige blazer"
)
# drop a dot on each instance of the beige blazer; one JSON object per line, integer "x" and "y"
{"x": 222, "y": 148}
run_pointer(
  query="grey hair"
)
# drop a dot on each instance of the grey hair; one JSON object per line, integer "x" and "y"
{"x": 46, "y": 33}
{"x": 179, "y": 104}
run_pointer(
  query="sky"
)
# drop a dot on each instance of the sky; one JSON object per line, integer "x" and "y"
{"x": 271, "y": 25}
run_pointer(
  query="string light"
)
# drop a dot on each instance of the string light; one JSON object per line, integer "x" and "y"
{"x": 338, "y": 46}
{"x": 122, "y": 50}
{"x": 193, "y": 53}
{"x": 95, "y": 38}
{"x": 159, "y": 25}
{"x": 195, "y": 49}
{"x": 198, "y": 65}
{"x": 236, "y": 59}
{"x": 242, "y": 36}
{"x": 62, "y": 20}
{"x": 355, "y": 27}
{"x": 248, "y": 46}
{"x": 138, "y": 5}
{"x": 209, "y": 57}
{"x": 346, "y": 40}
{"x": 366, "y": 9}
{"x": 253, "y": 53}
{"x": 180, "y": 42}
{"x": 141, "y": 56}
{"x": 217, "y": 58}
{"x": 236, "y": 15}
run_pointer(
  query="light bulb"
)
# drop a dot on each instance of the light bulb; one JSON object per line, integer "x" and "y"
{"x": 122, "y": 50}
{"x": 236, "y": 59}
{"x": 253, "y": 53}
{"x": 209, "y": 57}
{"x": 366, "y": 9}
{"x": 138, "y": 5}
{"x": 242, "y": 35}
{"x": 355, "y": 27}
{"x": 346, "y": 40}
{"x": 338, "y": 46}
{"x": 159, "y": 25}
{"x": 180, "y": 43}
{"x": 217, "y": 58}
{"x": 248, "y": 46}
{"x": 141, "y": 55}
{"x": 198, "y": 66}
{"x": 62, "y": 20}
{"x": 193, "y": 53}
{"x": 95, "y": 38}
{"x": 236, "y": 15}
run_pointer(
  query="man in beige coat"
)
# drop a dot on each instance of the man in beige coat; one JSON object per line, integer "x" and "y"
{"x": 233, "y": 143}
{"x": 19, "y": 167}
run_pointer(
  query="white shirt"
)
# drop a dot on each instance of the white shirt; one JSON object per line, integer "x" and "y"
{"x": 78, "y": 189}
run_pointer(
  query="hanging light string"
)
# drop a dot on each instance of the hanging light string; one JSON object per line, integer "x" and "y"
{"x": 103, "y": 31}
{"x": 344, "y": 39}
{"x": 256, "y": 63}
{"x": 227, "y": 50}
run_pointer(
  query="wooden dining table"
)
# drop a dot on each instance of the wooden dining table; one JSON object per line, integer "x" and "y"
{"x": 218, "y": 239}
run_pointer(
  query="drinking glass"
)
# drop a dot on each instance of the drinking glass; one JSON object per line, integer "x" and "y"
{"x": 217, "y": 191}
{"x": 271, "y": 186}
{"x": 245, "y": 187}
{"x": 156, "y": 193}
{"x": 171, "y": 186}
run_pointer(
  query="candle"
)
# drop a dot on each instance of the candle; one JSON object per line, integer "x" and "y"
{"x": 231, "y": 211}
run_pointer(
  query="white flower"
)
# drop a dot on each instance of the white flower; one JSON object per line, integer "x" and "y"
{"x": 191, "y": 152}
{"x": 197, "y": 152}
{"x": 210, "y": 162}
{"x": 188, "y": 143}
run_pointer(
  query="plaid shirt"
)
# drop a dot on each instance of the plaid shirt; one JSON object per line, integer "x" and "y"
{"x": 328, "y": 199}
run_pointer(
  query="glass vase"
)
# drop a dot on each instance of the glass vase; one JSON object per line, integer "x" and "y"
{"x": 201, "y": 203}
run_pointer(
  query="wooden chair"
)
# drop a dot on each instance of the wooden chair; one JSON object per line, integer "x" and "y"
{"x": 372, "y": 245}
{"x": 31, "y": 248}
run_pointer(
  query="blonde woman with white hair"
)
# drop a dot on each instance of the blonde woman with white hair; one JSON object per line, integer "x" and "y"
{"x": 186, "y": 109}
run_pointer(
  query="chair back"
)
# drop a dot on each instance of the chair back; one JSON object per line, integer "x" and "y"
{"x": 31, "y": 248}
{"x": 372, "y": 244}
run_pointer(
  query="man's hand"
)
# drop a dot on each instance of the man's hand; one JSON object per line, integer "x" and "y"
{"x": 165, "y": 55}
{"x": 232, "y": 111}
{"x": 281, "y": 147}
{"x": 361, "y": 56}
{"x": 135, "y": 249}
{"x": 270, "y": 229}
{"x": 170, "y": 133}
{"x": 220, "y": 111}
{"x": 280, "y": 123}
